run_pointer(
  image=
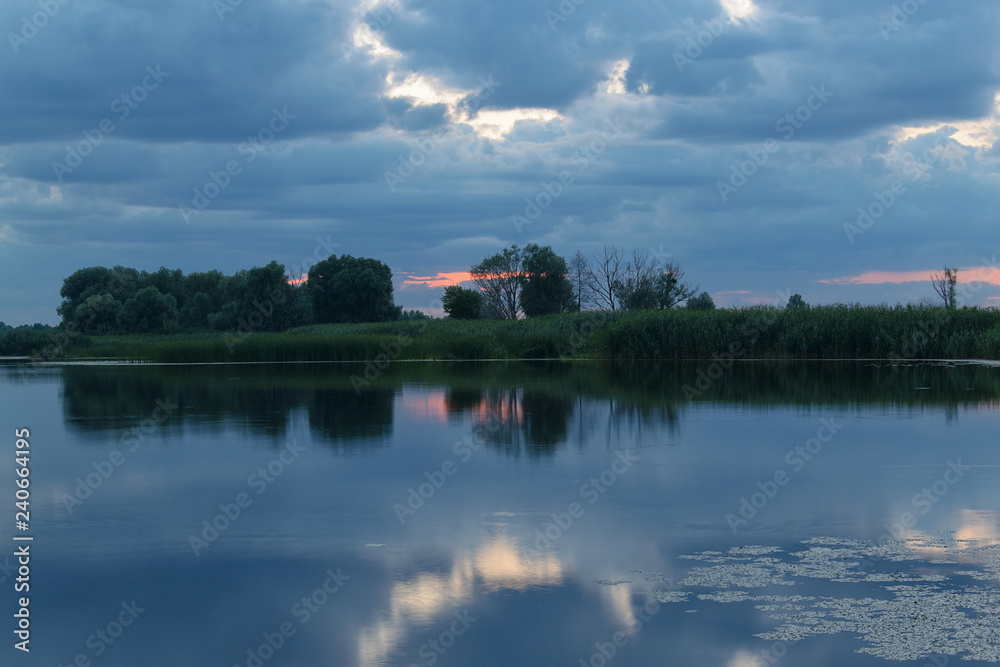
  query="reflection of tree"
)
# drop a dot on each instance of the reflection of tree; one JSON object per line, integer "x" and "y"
{"x": 103, "y": 402}
{"x": 499, "y": 416}
{"x": 531, "y": 408}
{"x": 459, "y": 399}
{"x": 546, "y": 420}
{"x": 348, "y": 420}
{"x": 529, "y": 421}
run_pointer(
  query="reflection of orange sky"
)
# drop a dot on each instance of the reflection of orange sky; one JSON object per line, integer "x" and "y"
{"x": 440, "y": 280}
{"x": 986, "y": 274}
{"x": 975, "y": 528}
{"x": 426, "y": 406}
{"x": 505, "y": 409}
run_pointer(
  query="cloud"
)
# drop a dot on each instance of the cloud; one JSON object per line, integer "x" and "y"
{"x": 440, "y": 279}
{"x": 973, "y": 274}
{"x": 370, "y": 83}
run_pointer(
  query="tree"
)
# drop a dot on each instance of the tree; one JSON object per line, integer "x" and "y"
{"x": 546, "y": 289}
{"x": 944, "y": 285}
{"x": 78, "y": 286}
{"x": 645, "y": 285}
{"x": 499, "y": 279}
{"x": 98, "y": 314}
{"x": 147, "y": 312}
{"x": 352, "y": 289}
{"x": 701, "y": 302}
{"x": 462, "y": 303}
{"x": 579, "y": 278}
{"x": 605, "y": 273}
{"x": 795, "y": 301}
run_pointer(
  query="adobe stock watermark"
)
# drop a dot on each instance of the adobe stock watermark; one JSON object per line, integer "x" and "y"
{"x": 591, "y": 491}
{"x": 563, "y": 11}
{"x": 255, "y": 144}
{"x": 259, "y": 481}
{"x": 885, "y": 199}
{"x": 796, "y": 459}
{"x": 419, "y": 495}
{"x": 786, "y": 126}
{"x": 104, "y": 638}
{"x": 223, "y": 7}
{"x": 698, "y": 41}
{"x": 922, "y": 502}
{"x": 581, "y": 161}
{"x": 424, "y": 148}
{"x": 303, "y": 610}
{"x": 388, "y": 353}
{"x": 31, "y": 24}
{"x": 761, "y": 321}
{"x": 105, "y": 467}
{"x": 898, "y": 16}
{"x": 300, "y": 272}
{"x": 122, "y": 106}
{"x": 247, "y": 326}
{"x": 432, "y": 650}
{"x": 605, "y": 651}
{"x": 929, "y": 496}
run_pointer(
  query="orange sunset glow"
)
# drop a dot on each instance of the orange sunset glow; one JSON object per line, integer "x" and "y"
{"x": 440, "y": 280}
{"x": 985, "y": 274}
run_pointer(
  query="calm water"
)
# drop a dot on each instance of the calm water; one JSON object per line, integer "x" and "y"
{"x": 507, "y": 514}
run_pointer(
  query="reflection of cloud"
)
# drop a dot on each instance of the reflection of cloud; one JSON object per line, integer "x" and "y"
{"x": 498, "y": 564}
{"x": 979, "y": 526}
{"x": 976, "y": 528}
{"x": 621, "y": 605}
{"x": 744, "y": 658}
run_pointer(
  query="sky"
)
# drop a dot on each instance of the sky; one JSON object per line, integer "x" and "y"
{"x": 839, "y": 149}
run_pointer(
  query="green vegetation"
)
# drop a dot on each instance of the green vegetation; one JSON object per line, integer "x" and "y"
{"x": 817, "y": 332}
{"x": 462, "y": 303}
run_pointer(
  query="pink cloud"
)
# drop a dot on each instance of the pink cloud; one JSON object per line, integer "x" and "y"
{"x": 985, "y": 274}
{"x": 439, "y": 280}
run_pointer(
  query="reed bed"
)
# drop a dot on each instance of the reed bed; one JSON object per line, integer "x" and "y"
{"x": 823, "y": 332}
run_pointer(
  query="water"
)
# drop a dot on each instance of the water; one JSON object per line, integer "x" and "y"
{"x": 507, "y": 514}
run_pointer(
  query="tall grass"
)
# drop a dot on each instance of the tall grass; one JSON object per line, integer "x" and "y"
{"x": 824, "y": 332}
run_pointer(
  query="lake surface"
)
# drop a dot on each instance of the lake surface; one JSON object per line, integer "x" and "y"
{"x": 507, "y": 514}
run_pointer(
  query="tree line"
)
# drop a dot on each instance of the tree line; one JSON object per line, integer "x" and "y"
{"x": 534, "y": 281}
{"x": 120, "y": 300}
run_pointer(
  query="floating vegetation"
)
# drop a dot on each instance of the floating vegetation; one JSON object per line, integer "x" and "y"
{"x": 917, "y": 608}
{"x": 607, "y": 582}
{"x": 669, "y": 596}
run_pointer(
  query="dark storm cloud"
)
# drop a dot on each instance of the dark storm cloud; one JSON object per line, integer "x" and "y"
{"x": 217, "y": 76}
{"x": 690, "y": 123}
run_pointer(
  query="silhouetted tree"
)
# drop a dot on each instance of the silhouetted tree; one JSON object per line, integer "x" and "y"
{"x": 944, "y": 285}
{"x": 462, "y": 303}
{"x": 499, "y": 279}
{"x": 701, "y": 302}
{"x": 546, "y": 289}
{"x": 352, "y": 289}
